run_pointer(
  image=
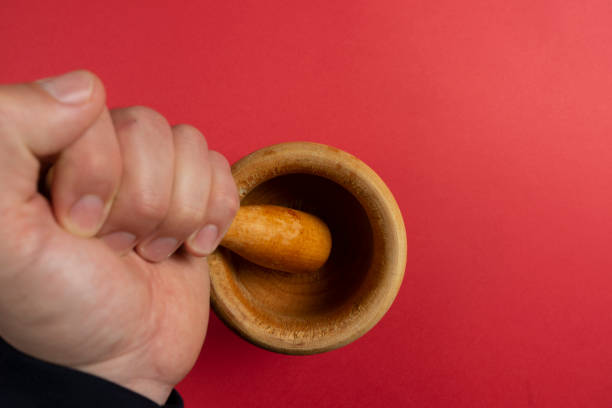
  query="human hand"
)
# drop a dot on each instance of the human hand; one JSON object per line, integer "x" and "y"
{"x": 86, "y": 278}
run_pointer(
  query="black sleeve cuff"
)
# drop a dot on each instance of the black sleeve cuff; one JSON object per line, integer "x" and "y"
{"x": 28, "y": 382}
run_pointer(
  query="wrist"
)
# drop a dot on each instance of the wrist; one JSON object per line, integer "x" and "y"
{"x": 129, "y": 374}
{"x": 153, "y": 390}
{"x": 156, "y": 391}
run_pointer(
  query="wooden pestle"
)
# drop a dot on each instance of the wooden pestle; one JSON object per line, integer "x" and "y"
{"x": 279, "y": 238}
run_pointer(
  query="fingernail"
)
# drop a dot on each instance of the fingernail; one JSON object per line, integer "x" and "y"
{"x": 71, "y": 88}
{"x": 119, "y": 241}
{"x": 86, "y": 215}
{"x": 206, "y": 240}
{"x": 159, "y": 249}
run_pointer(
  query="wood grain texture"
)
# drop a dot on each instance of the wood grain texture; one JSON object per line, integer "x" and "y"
{"x": 331, "y": 307}
{"x": 279, "y": 238}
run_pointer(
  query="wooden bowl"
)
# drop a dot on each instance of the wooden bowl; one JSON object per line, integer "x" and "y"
{"x": 320, "y": 311}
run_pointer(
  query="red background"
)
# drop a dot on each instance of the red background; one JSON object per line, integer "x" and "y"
{"x": 491, "y": 121}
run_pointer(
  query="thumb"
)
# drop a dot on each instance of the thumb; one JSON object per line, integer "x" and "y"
{"x": 37, "y": 121}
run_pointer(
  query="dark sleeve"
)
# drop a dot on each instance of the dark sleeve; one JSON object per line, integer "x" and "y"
{"x": 28, "y": 382}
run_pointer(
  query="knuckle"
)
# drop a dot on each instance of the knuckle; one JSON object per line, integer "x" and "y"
{"x": 226, "y": 204}
{"x": 89, "y": 168}
{"x": 187, "y": 215}
{"x": 93, "y": 161}
{"x": 140, "y": 117}
{"x": 149, "y": 206}
{"x": 219, "y": 161}
{"x": 184, "y": 129}
{"x": 190, "y": 135}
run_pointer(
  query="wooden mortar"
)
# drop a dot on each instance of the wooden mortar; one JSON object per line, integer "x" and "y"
{"x": 318, "y": 311}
